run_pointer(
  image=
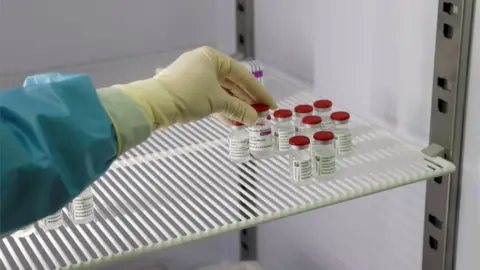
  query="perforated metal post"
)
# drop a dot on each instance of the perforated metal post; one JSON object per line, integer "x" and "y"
{"x": 246, "y": 51}
{"x": 245, "y": 29}
{"x": 452, "y": 53}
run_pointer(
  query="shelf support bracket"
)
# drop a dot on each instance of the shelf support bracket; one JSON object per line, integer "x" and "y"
{"x": 434, "y": 150}
{"x": 452, "y": 53}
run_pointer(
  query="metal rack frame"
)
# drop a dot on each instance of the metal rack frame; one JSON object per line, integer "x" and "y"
{"x": 452, "y": 52}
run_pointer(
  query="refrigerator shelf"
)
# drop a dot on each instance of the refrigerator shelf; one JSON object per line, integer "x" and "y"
{"x": 179, "y": 186}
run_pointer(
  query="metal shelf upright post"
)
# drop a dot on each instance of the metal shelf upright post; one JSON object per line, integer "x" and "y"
{"x": 452, "y": 53}
{"x": 244, "y": 12}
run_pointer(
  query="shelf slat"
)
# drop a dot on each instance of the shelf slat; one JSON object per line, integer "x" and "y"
{"x": 179, "y": 187}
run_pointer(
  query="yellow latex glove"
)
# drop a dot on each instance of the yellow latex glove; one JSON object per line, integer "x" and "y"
{"x": 199, "y": 83}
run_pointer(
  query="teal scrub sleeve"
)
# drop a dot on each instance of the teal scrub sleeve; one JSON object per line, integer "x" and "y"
{"x": 56, "y": 139}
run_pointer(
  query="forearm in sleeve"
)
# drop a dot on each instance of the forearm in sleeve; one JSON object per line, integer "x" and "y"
{"x": 56, "y": 139}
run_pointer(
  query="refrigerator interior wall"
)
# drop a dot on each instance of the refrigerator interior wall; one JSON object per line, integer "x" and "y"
{"x": 284, "y": 35}
{"x": 106, "y": 38}
{"x": 469, "y": 220}
{"x": 116, "y": 41}
{"x": 374, "y": 58}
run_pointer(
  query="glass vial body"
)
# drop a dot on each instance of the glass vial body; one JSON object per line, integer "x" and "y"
{"x": 52, "y": 222}
{"x": 300, "y": 112}
{"x": 323, "y": 108}
{"x": 311, "y": 124}
{"x": 285, "y": 129}
{"x": 238, "y": 148}
{"x": 24, "y": 232}
{"x": 343, "y": 134}
{"x": 256, "y": 68}
{"x": 323, "y": 155}
{"x": 273, "y": 124}
{"x": 300, "y": 160}
{"x": 82, "y": 208}
{"x": 260, "y": 134}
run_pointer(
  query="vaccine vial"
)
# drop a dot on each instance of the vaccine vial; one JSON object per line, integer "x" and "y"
{"x": 82, "y": 208}
{"x": 256, "y": 68}
{"x": 285, "y": 129}
{"x": 24, "y": 232}
{"x": 323, "y": 154}
{"x": 52, "y": 222}
{"x": 300, "y": 160}
{"x": 311, "y": 124}
{"x": 238, "y": 148}
{"x": 260, "y": 134}
{"x": 323, "y": 108}
{"x": 273, "y": 124}
{"x": 341, "y": 130}
{"x": 300, "y": 112}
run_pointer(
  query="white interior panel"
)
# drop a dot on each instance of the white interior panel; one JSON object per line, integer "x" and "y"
{"x": 225, "y": 24}
{"x": 53, "y": 33}
{"x": 284, "y": 35}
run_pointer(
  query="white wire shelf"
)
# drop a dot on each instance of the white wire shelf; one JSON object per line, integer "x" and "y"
{"x": 179, "y": 187}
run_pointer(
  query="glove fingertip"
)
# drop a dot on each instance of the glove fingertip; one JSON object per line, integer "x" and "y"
{"x": 250, "y": 116}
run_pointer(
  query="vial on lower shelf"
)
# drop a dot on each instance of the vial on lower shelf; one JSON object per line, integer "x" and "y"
{"x": 341, "y": 130}
{"x": 323, "y": 154}
{"x": 300, "y": 112}
{"x": 284, "y": 130}
{"x": 311, "y": 124}
{"x": 323, "y": 108}
{"x": 300, "y": 160}
{"x": 260, "y": 134}
{"x": 82, "y": 208}
{"x": 24, "y": 232}
{"x": 52, "y": 222}
{"x": 238, "y": 148}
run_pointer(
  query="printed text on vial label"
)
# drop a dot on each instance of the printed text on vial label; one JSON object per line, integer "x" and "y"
{"x": 83, "y": 207}
{"x": 302, "y": 170}
{"x": 260, "y": 138}
{"x": 283, "y": 138}
{"x": 343, "y": 142}
{"x": 324, "y": 165}
{"x": 238, "y": 149}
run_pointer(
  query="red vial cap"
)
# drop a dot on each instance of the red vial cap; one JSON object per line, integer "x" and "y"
{"x": 323, "y": 136}
{"x": 340, "y": 116}
{"x": 299, "y": 141}
{"x": 238, "y": 124}
{"x": 312, "y": 120}
{"x": 260, "y": 107}
{"x": 282, "y": 113}
{"x": 322, "y": 104}
{"x": 303, "y": 108}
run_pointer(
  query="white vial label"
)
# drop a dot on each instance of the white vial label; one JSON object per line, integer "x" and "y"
{"x": 283, "y": 138}
{"x": 324, "y": 164}
{"x": 343, "y": 142}
{"x": 52, "y": 221}
{"x": 302, "y": 170}
{"x": 260, "y": 138}
{"x": 238, "y": 149}
{"x": 83, "y": 207}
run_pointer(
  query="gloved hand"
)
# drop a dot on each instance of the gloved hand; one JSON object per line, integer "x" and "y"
{"x": 199, "y": 83}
